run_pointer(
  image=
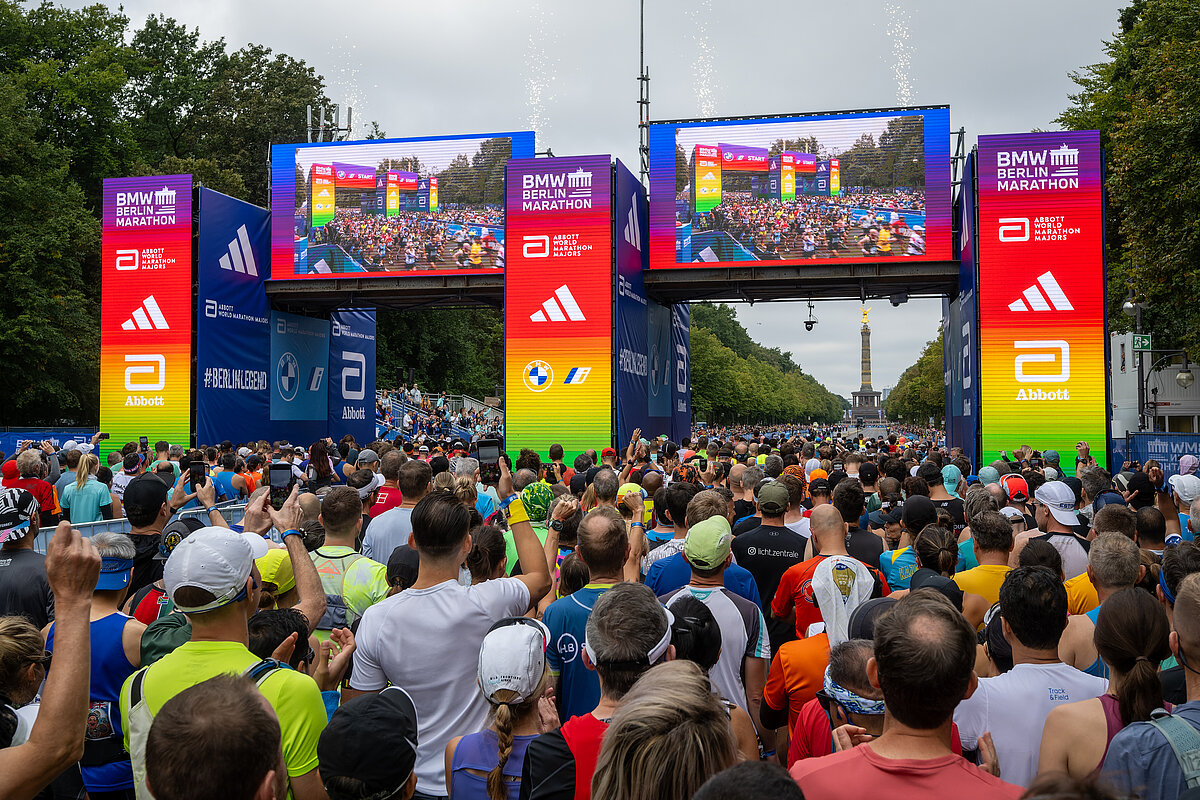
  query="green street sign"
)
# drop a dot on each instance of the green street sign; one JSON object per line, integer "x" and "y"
{"x": 1141, "y": 343}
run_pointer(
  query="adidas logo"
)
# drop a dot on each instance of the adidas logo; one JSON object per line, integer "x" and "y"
{"x": 240, "y": 257}
{"x": 1049, "y": 297}
{"x": 147, "y": 316}
{"x": 633, "y": 232}
{"x": 552, "y": 311}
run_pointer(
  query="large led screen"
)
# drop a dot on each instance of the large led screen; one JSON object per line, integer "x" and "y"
{"x": 860, "y": 186}
{"x": 391, "y": 206}
{"x": 1042, "y": 329}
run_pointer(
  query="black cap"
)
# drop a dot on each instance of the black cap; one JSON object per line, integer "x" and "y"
{"x": 372, "y": 738}
{"x": 868, "y": 473}
{"x": 143, "y": 495}
{"x": 863, "y": 618}
{"x": 402, "y": 566}
{"x": 818, "y": 486}
{"x": 918, "y": 512}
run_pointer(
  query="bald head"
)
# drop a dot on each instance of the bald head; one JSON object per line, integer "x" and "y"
{"x": 1186, "y": 618}
{"x": 735, "y": 476}
{"x": 652, "y": 482}
{"x": 828, "y": 529}
{"x": 997, "y": 491}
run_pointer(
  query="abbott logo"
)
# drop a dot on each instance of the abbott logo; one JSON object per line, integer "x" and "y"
{"x": 335, "y": 328}
{"x": 1047, "y": 351}
{"x": 535, "y": 246}
{"x": 354, "y": 371}
{"x": 1014, "y": 229}
{"x": 153, "y": 365}
{"x": 127, "y": 260}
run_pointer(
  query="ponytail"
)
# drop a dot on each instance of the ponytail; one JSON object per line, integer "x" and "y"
{"x": 496, "y": 789}
{"x": 87, "y": 462}
{"x": 937, "y": 550}
{"x": 1132, "y": 638}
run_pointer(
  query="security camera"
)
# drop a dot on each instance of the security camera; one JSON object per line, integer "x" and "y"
{"x": 809, "y": 324}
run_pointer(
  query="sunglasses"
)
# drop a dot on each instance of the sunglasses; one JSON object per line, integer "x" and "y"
{"x": 43, "y": 659}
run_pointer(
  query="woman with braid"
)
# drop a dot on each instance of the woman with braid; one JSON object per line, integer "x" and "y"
{"x": 513, "y": 677}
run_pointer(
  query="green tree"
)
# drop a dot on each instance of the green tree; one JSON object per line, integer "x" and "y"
{"x": 1142, "y": 99}
{"x": 920, "y": 392}
{"x": 460, "y": 350}
{"x": 48, "y": 341}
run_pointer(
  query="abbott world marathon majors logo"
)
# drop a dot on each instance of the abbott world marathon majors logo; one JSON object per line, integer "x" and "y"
{"x": 1037, "y": 169}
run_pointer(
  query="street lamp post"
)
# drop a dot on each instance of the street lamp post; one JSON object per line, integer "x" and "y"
{"x": 1134, "y": 309}
{"x": 1183, "y": 379}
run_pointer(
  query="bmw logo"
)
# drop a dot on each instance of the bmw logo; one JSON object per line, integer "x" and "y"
{"x": 538, "y": 376}
{"x": 287, "y": 376}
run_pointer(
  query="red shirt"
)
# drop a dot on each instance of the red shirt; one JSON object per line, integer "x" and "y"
{"x": 861, "y": 772}
{"x": 43, "y": 492}
{"x": 812, "y": 737}
{"x": 583, "y": 734}
{"x": 389, "y": 498}
{"x": 795, "y": 591}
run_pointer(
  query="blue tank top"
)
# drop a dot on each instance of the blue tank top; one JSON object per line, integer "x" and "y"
{"x": 481, "y": 751}
{"x": 105, "y": 765}
{"x": 1098, "y": 667}
{"x": 224, "y": 481}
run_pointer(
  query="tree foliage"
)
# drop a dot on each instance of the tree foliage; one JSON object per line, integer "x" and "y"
{"x": 1143, "y": 100}
{"x": 457, "y": 350}
{"x": 920, "y": 393}
{"x": 735, "y": 379}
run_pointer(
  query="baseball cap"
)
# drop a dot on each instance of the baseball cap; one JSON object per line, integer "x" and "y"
{"x": 1016, "y": 488}
{"x": 878, "y": 519}
{"x": 1010, "y": 513}
{"x": 276, "y": 567}
{"x": 630, "y": 488}
{"x": 578, "y": 483}
{"x": 773, "y": 498}
{"x": 866, "y": 614}
{"x": 708, "y": 543}
{"x": 376, "y": 482}
{"x": 86, "y": 447}
{"x": 367, "y": 456}
{"x": 988, "y": 475}
{"x": 1188, "y": 464}
{"x": 818, "y": 486}
{"x": 1051, "y": 456}
{"x": 144, "y": 494}
{"x": 174, "y": 533}
{"x": 918, "y": 512}
{"x": 811, "y": 465}
{"x": 513, "y": 658}
{"x": 608, "y": 451}
{"x": 372, "y": 738}
{"x": 402, "y": 566}
{"x": 423, "y": 448}
{"x": 17, "y": 508}
{"x": 70, "y": 444}
{"x": 244, "y": 451}
{"x": 216, "y": 560}
{"x": 9, "y": 471}
{"x": 1140, "y": 483}
{"x": 1186, "y": 486}
{"x": 868, "y": 472}
{"x": 818, "y": 474}
{"x": 1059, "y": 501}
{"x": 114, "y": 573}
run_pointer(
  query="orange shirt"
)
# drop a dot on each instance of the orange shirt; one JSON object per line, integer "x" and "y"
{"x": 252, "y": 479}
{"x": 795, "y": 591}
{"x": 797, "y": 674}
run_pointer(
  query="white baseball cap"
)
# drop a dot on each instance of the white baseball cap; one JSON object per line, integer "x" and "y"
{"x": 1186, "y": 486}
{"x": 217, "y": 560}
{"x": 513, "y": 657}
{"x": 1059, "y": 500}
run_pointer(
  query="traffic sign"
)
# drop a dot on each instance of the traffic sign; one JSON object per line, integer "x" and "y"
{"x": 1141, "y": 343}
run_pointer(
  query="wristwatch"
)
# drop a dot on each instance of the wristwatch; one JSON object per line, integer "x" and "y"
{"x": 556, "y": 525}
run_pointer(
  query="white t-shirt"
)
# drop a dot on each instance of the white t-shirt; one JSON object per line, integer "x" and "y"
{"x": 1014, "y": 706}
{"x": 426, "y": 641}
{"x": 664, "y": 550}
{"x": 387, "y": 532}
{"x": 800, "y": 526}
{"x": 120, "y": 480}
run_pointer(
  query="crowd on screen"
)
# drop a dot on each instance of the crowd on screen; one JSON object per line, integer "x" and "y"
{"x": 415, "y": 239}
{"x": 821, "y": 227}
{"x": 749, "y": 612}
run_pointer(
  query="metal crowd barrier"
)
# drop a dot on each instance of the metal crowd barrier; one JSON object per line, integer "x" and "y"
{"x": 231, "y": 510}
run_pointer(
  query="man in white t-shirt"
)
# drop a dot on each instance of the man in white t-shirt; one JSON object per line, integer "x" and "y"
{"x": 1014, "y": 705}
{"x": 426, "y": 639}
{"x": 393, "y": 527}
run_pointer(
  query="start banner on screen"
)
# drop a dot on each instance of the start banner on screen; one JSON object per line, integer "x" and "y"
{"x": 865, "y": 186}
{"x": 558, "y": 304}
{"x": 146, "y": 310}
{"x": 1041, "y": 294}
{"x": 391, "y": 206}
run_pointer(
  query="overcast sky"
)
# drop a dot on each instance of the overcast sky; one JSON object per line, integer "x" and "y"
{"x": 568, "y": 69}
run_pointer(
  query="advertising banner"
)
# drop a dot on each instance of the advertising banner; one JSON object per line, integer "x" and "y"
{"x": 233, "y": 320}
{"x": 433, "y": 194}
{"x": 352, "y": 176}
{"x": 681, "y": 391}
{"x": 352, "y": 374}
{"x": 787, "y": 176}
{"x": 299, "y": 358}
{"x": 835, "y": 177}
{"x": 662, "y": 372}
{"x": 823, "y": 179}
{"x": 1042, "y": 364}
{"x": 805, "y": 163}
{"x": 404, "y": 181}
{"x": 558, "y": 304}
{"x": 962, "y": 412}
{"x": 736, "y": 158}
{"x": 322, "y": 200}
{"x": 146, "y": 310}
{"x": 706, "y": 178}
{"x": 1165, "y": 448}
{"x": 633, "y": 367}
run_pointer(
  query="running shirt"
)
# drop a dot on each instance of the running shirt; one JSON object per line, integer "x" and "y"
{"x": 567, "y": 618}
{"x": 795, "y": 592}
{"x": 797, "y": 674}
{"x": 560, "y": 764}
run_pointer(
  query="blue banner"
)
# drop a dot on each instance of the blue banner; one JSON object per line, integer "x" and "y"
{"x": 1165, "y": 448}
{"x": 960, "y": 330}
{"x": 299, "y": 360}
{"x": 661, "y": 370}
{"x": 681, "y": 382}
{"x": 352, "y": 375}
{"x": 633, "y": 360}
{"x": 10, "y": 439}
{"x": 233, "y": 365}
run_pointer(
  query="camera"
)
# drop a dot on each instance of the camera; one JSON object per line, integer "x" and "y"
{"x": 809, "y": 324}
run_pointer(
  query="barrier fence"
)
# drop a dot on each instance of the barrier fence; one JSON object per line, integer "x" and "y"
{"x": 231, "y": 510}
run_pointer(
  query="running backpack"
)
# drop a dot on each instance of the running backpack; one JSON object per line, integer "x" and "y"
{"x": 1185, "y": 742}
{"x": 141, "y": 718}
{"x": 333, "y": 580}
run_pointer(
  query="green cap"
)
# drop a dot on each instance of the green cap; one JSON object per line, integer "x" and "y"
{"x": 708, "y": 543}
{"x": 773, "y": 498}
